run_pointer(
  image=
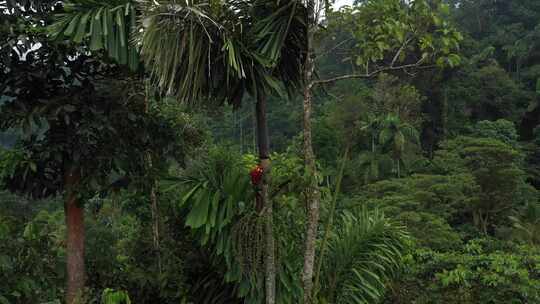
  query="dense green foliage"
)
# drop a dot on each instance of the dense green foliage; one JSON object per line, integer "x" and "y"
{"x": 438, "y": 199}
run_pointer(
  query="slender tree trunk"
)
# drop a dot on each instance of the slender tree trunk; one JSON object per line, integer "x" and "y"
{"x": 154, "y": 208}
{"x": 444, "y": 114}
{"x": 153, "y": 193}
{"x": 155, "y": 222}
{"x": 485, "y": 221}
{"x": 241, "y": 136}
{"x": 518, "y": 70}
{"x": 254, "y": 136}
{"x": 313, "y": 195}
{"x": 74, "y": 214}
{"x": 264, "y": 156}
{"x": 476, "y": 220}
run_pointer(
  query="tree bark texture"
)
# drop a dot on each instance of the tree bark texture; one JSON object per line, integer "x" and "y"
{"x": 313, "y": 195}
{"x": 264, "y": 156}
{"x": 154, "y": 207}
{"x": 155, "y": 223}
{"x": 74, "y": 215}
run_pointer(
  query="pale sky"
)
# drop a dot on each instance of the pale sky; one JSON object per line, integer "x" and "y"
{"x": 340, "y": 3}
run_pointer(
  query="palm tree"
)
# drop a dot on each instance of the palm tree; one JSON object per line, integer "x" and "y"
{"x": 214, "y": 51}
{"x": 370, "y": 161}
{"x": 394, "y": 136}
{"x": 371, "y": 127}
{"x": 363, "y": 253}
{"x": 241, "y": 47}
{"x": 371, "y": 164}
{"x": 527, "y": 226}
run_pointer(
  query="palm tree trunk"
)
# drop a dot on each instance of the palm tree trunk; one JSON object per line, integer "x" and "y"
{"x": 241, "y": 136}
{"x": 155, "y": 222}
{"x": 254, "y": 134}
{"x": 313, "y": 195}
{"x": 154, "y": 209}
{"x": 444, "y": 115}
{"x": 153, "y": 195}
{"x": 485, "y": 223}
{"x": 74, "y": 215}
{"x": 264, "y": 156}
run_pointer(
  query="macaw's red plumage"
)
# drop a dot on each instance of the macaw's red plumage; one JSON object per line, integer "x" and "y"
{"x": 256, "y": 175}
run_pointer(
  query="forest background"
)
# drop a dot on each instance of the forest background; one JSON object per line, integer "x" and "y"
{"x": 429, "y": 176}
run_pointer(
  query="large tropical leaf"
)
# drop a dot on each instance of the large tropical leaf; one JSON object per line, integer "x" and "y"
{"x": 197, "y": 50}
{"x": 218, "y": 201}
{"x": 281, "y": 36}
{"x": 217, "y": 195}
{"x": 103, "y": 24}
{"x": 364, "y": 252}
{"x": 222, "y": 49}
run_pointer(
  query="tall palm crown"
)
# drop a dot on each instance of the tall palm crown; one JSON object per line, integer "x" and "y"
{"x": 222, "y": 49}
{"x": 394, "y": 136}
{"x": 210, "y": 49}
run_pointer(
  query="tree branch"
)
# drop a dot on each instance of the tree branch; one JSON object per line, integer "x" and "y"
{"x": 326, "y": 52}
{"x": 417, "y": 65}
{"x": 399, "y": 51}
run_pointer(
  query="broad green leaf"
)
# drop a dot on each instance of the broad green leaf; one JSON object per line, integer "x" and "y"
{"x": 72, "y": 25}
{"x": 81, "y": 28}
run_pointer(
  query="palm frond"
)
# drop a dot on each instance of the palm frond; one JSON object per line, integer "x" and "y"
{"x": 399, "y": 141}
{"x": 395, "y": 133}
{"x": 221, "y": 49}
{"x": 410, "y": 132}
{"x": 527, "y": 224}
{"x": 180, "y": 45}
{"x": 364, "y": 252}
{"x": 293, "y": 49}
{"x": 385, "y": 136}
{"x": 103, "y": 25}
